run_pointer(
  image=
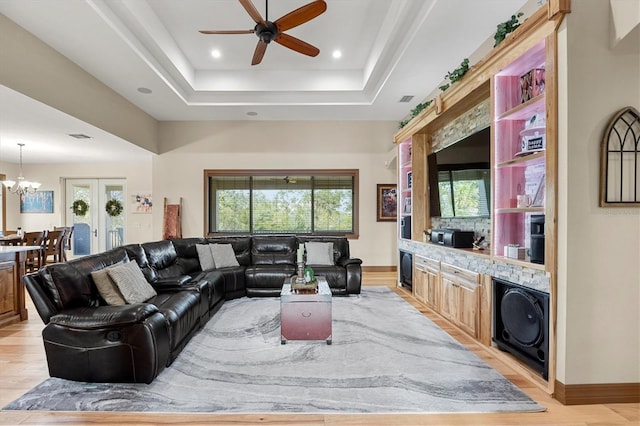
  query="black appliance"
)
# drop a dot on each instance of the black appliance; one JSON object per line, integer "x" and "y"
{"x": 405, "y": 227}
{"x": 521, "y": 323}
{"x": 452, "y": 238}
{"x": 406, "y": 269}
{"x": 537, "y": 239}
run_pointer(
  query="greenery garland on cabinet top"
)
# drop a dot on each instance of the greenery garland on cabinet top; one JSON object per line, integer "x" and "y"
{"x": 113, "y": 208}
{"x": 79, "y": 207}
{"x": 503, "y": 29}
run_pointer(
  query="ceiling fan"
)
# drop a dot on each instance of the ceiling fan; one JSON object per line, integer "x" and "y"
{"x": 268, "y": 31}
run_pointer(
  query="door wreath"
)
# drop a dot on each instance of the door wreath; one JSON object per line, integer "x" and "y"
{"x": 113, "y": 208}
{"x": 79, "y": 207}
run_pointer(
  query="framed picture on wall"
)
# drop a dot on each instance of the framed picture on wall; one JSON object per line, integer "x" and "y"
{"x": 38, "y": 202}
{"x": 387, "y": 202}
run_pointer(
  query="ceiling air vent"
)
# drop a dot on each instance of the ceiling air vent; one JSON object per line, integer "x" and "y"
{"x": 79, "y": 136}
{"x": 406, "y": 98}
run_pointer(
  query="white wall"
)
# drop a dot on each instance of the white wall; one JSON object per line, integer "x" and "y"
{"x": 599, "y": 248}
{"x": 188, "y": 148}
{"x": 137, "y": 175}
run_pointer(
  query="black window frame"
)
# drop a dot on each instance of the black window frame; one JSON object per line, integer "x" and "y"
{"x": 209, "y": 220}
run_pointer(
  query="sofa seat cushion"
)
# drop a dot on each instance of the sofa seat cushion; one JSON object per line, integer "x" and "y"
{"x": 336, "y": 275}
{"x": 182, "y": 313}
{"x": 268, "y": 276}
{"x": 215, "y": 282}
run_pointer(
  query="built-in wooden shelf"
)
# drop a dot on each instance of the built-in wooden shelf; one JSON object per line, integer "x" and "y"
{"x": 525, "y": 110}
{"x": 523, "y": 160}
{"x": 536, "y": 209}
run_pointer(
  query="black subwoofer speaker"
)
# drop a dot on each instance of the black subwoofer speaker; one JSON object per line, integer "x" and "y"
{"x": 406, "y": 269}
{"x": 521, "y": 323}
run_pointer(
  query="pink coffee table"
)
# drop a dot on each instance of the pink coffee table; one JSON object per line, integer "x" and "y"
{"x": 305, "y": 316}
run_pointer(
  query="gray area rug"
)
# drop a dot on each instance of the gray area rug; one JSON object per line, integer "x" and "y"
{"x": 386, "y": 357}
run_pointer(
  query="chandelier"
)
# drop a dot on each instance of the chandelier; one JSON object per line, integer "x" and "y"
{"x": 21, "y": 186}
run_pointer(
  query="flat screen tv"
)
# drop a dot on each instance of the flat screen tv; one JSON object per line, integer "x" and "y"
{"x": 460, "y": 177}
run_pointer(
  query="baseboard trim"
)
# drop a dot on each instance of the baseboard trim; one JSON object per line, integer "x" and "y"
{"x": 379, "y": 268}
{"x": 601, "y": 393}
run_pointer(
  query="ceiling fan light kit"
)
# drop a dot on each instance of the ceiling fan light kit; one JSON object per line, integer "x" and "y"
{"x": 268, "y": 31}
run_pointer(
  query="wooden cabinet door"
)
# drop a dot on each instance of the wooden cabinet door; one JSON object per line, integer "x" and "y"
{"x": 419, "y": 284}
{"x": 7, "y": 288}
{"x": 468, "y": 314}
{"x": 432, "y": 292}
{"x": 448, "y": 299}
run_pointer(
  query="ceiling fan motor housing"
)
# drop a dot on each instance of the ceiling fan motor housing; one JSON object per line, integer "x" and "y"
{"x": 266, "y": 32}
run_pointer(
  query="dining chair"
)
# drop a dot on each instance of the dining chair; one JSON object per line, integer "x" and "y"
{"x": 52, "y": 252}
{"x": 66, "y": 241}
{"x": 35, "y": 258}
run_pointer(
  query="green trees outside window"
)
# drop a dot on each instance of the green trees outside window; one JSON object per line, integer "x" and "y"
{"x": 255, "y": 202}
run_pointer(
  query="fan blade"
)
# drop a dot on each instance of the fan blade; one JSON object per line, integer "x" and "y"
{"x": 227, "y": 31}
{"x": 259, "y": 52}
{"x": 301, "y": 15}
{"x": 296, "y": 44}
{"x": 252, "y": 11}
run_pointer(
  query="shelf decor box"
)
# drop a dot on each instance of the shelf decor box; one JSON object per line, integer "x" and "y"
{"x": 532, "y": 84}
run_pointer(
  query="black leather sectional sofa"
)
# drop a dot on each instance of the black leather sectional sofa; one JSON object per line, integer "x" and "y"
{"x": 88, "y": 340}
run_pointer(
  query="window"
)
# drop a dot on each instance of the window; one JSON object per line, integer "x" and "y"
{"x": 281, "y": 202}
{"x": 464, "y": 193}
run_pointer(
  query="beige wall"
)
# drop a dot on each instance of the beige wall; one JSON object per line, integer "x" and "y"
{"x": 191, "y": 147}
{"x": 599, "y": 248}
{"x": 137, "y": 176}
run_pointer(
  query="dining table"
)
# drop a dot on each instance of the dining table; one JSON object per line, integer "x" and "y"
{"x": 10, "y": 240}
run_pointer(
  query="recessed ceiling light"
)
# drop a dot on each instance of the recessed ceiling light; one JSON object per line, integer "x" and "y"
{"x": 252, "y": 113}
{"x": 337, "y": 54}
{"x": 145, "y": 90}
{"x": 216, "y": 53}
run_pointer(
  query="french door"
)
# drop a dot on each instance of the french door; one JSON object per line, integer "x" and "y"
{"x": 95, "y": 231}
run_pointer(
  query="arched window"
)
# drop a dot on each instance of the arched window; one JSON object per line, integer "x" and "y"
{"x": 620, "y": 161}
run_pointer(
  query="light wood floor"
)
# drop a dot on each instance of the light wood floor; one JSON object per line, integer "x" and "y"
{"x": 23, "y": 365}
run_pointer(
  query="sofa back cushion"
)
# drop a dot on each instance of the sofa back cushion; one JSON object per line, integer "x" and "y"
{"x": 274, "y": 250}
{"x": 187, "y": 255}
{"x": 162, "y": 258}
{"x": 319, "y": 253}
{"x": 131, "y": 282}
{"x": 69, "y": 285}
{"x": 136, "y": 252}
{"x": 241, "y": 247}
{"x": 340, "y": 246}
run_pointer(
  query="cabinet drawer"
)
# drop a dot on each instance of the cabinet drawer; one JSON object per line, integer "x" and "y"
{"x": 424, "y": 264}
{"x": 464, "y": 276}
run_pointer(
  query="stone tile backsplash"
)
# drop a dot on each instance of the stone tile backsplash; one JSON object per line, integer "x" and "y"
{"x": 481, "y": 263}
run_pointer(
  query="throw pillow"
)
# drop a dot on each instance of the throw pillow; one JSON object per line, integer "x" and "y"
{"x": 131, "y": 283}
{"x": 206, "y": 257}
{"x": 319, "y": 253}
{"x": 107, "y": 287}
{"x": 223, "y": 255}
